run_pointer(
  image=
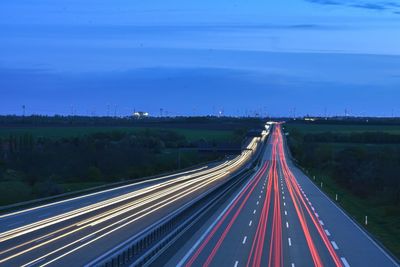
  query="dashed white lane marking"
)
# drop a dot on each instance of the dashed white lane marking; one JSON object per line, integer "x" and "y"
{"x": 327, "y": 233}
{"x": 236, "y": 264}
{"x": 292, "y": 264}
{"x": 316, "y": 214}
{"x": 290, "y": 242}
{"x": 345, "y": 263}
{"x": 211, "y": 226}
{"x": 285, "y": 212}
{"x": 335, "y": 246}
{"x": 283, "y": 197}
{"x": 250, "y": 223}
{"x": 287, "y": 225}
{"x": 254, "y": 212}
{"x": 284, "y": 203}
{"x": 321, "y": 222}
{"x": 313, "y": 208}
{"x": 244, "y": 240}
{"x": 259, "y": 196}
{"x": 258, "y": 202}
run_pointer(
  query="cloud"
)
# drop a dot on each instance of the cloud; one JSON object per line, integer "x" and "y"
{"x": 371, "y": 6}
{"x": 377, "y": 6}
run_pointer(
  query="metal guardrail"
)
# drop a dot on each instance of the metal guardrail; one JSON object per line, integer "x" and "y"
{"x": 97, "y": 189}
{"x": 144, "y": 245}
{"x": 140, "y": 248}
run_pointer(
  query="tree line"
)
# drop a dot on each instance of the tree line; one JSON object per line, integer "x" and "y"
{"x": 43, "y": 164}
{"x": 368, "y": 171}
{"x": 354, "y": 137}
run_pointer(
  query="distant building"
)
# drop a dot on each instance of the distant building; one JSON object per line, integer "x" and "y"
{"x": 140, "y": 114}
{"x": 310, "y": 119}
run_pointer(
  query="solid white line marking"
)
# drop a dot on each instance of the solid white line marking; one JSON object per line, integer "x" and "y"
{"x": 36, "y": 262}
{"x": 254, "y": 212}
{"x": 250, "y": 223}
{"x": 287, "y": 225}
{"x": 244, "y": 240}
{"x": 88, "y": 237}
{"x": 236, "y": 264}
{"x": 327, "y": 233}
{"x": 345, "y": 263}
{"x": 335, "y": 246}
{"x": 203, "y": 236}
{"x": 290, "y": 242}
{"x": 356, "y": 225}
{"x": 321, "y": 222}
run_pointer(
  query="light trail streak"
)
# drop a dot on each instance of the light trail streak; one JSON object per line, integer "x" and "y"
{"x": 149, "y": 210}
{"x": 187, "y": 184}
{"x": 298, "y": 199}
{"x": 245, "y": 193}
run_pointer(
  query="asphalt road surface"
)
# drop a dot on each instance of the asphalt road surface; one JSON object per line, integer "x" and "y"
{"x": 78, "y": 230}
{"x": 279, "y": 218}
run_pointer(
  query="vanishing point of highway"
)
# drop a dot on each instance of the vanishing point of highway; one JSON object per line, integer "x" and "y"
{"x": 256, "y": 209}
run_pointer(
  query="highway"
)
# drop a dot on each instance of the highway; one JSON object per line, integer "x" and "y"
{"x": 81, "y": 229}
{"x": 277, "y": 218}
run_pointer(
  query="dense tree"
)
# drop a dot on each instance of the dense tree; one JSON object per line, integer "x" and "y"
{"x": 367, "y": 171}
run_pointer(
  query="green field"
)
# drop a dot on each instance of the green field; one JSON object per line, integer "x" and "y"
{"x": 342, "y": 128}
{"x": 59, "y": 132}
{"x": 383, "y": 215}
{"x": 14, "y": 185}
{"x": 383, "y": 221}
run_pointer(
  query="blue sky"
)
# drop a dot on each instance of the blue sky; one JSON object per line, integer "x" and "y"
{"x": 199, "y": 57}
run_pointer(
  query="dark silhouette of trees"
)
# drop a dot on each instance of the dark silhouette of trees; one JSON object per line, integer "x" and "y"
{"x": 368, "y": 164}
